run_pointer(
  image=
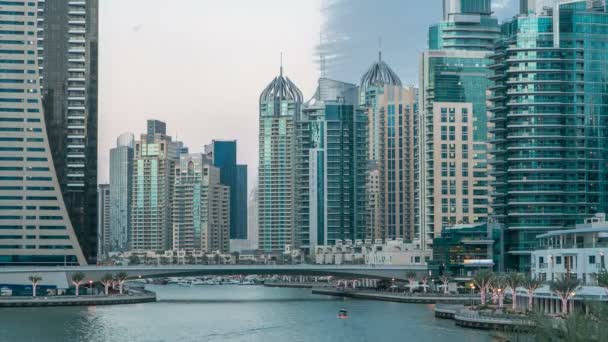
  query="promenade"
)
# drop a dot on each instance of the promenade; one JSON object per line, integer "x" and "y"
{"x": 139, "y": 296}
{"x": 467, "y": 318}
{"x": 429, "y": 298}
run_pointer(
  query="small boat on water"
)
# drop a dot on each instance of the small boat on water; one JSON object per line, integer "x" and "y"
{"x": 343, "y": 314}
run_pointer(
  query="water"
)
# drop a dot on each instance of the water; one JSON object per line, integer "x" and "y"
{"x": 233, "y": 313}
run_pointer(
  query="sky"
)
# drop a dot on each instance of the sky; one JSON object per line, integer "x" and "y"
{"x": 200, "y": 65}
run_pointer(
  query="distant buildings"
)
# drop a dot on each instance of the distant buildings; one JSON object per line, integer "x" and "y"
{"x": 330, "y": 169}
{"x": 454, "y": 77}
{"x": 34, "y": 221}
{"x": 67, "y": 58}
{"x": 155, "y": 156}
{"x": 121, "y": 190}
{"x": 392, "y": 252}
{"x": 280, "y": 104}
{"x": 200, "y": 207}
{"x": 104, "y": 224}
{"x": 224, "y": 156}
{"x": 548, "y": 134}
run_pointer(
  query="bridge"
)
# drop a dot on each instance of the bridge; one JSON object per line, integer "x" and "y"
{"x": 60, "y": 276}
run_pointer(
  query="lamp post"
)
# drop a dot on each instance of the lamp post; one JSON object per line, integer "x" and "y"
{"x": 91, "y": 286}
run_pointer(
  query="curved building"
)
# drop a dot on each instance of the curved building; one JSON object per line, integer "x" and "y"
{"x": 34, "y": 225}
{"x": 280, "y": 104}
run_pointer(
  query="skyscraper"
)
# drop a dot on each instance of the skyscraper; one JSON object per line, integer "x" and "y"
{"x": 121, "y": 187}
{"x": 36, "y": 228}
{"x": 68, "y": 48}
{"x": 201, "y": 206}
{"x": 155, "y": 155}
{"x": 549, "y": 123}
{"x": 280, "y": 103}
{"x": 104, "y": 232}
{"x": 224, "y": 156}
{"x": 241, "y": 203}
{"x": 331, "y": 165}
{"x": 252, "y": 225}
{"x": 392, "y": 112}
{"x": 454, "y": 180}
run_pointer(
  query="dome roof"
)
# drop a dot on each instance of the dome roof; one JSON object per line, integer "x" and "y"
{"x": 380, "y": 73}
{"x": 282, "y": 88}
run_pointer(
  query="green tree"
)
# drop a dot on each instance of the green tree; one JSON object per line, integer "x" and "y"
{"x": 531, "y": 285}
{"x": 77, "y": 280}
{"x": 35, "y": 279}
{"x": 121, "y": 277}
{"x": 483, "y": 281}
{"x": 565, "y": 288}
{"x": 602, "y": 280}
{"x": 107, "y": 281}
{"x": 513, "y": 281}
{"x": 134, "y": 260}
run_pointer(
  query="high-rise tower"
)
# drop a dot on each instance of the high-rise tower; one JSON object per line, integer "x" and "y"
{"x": 392, "y": 114}
{"x": 549, "y": 122}
{"x": 280, "y": 103}
{"x": 121, "y": 187}
{"x": 68, "y": 47}
{"x": 331, "y": 165}
{"x": 454, "y": 181}
{"x": 34, "y": 221}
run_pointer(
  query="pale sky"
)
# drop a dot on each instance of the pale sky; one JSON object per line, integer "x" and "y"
{"x": 200, "y": 65}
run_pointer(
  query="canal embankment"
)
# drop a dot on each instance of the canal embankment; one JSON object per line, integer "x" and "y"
{"x": 397, "y": 297}
{"x": 133, "y": 297}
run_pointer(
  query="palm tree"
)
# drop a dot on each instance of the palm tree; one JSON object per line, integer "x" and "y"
{"x": 513, "y": 281}
{"x": 483, "y": 281}
{"x": 121, "y": 277}
{"x": 499, "y": 284}
{"x": 77, "y": 280}
{"x": 411, "y": 279}
{"x": 445, "y": 280}
{"x": 565, "y": 288}
{"x": 531, "y": 285}
{"x": 35, "y": 279}
{"x": 424, "y": 280}
{"x": 107, "y": 281}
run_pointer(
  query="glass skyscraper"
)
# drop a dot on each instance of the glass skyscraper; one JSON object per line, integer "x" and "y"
{"x": 35, "y": 228}
{"x": 67, "y": 37}
{"x": 280, "y": 103}
{"x": 331, "y": 165}
{"x": 454, "y": 75}
{"x": 121, "y": 187}
{"x": 549, "y": 122}
{"x": 224, "y": 156}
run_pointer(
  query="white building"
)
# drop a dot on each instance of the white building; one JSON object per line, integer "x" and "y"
{"x": 372, "y": 252}
{"x": 579, "y": 251}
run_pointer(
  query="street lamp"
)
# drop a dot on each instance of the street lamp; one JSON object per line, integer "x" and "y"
{"x": 91, "y": 286}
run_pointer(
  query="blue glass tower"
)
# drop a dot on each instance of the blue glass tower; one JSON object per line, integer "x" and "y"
{"x": 549, "y": 122}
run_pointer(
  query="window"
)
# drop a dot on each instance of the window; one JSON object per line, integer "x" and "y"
{"x": 592, "y": 259}
{"x": 558, "y": 260}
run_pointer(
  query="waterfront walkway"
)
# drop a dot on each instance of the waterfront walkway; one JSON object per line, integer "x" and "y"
{"x": 467, "y": 318}
{"x": 428, "y": 298}
{"x": 139, "y": 296}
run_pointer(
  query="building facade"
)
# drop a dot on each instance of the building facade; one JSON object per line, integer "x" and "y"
{"x": 121, "y": 187}
{"x": 454, "y": 180}
{"x": 201, "y": 207}
{"x": 242, "y": 205}
{"x": 549, "y": 121}
{"x": 392, "y": 112}
{"x": 104, "y": 224}
{"x": 154, "y": 158}
{"x": 280, "y": 103}
{"x": 35, "y": 225}
{"x": 331, "y": 165}
{"x": 67, "y": 36}
{"x": 579, "y": 252}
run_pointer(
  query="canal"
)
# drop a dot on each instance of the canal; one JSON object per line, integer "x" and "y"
{"x": 233, "y": 313}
